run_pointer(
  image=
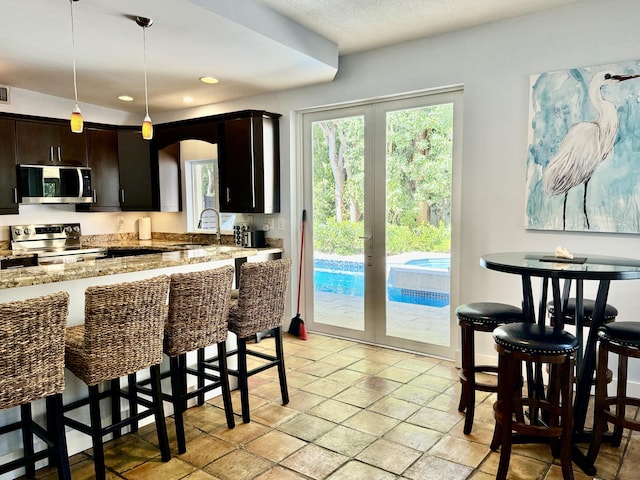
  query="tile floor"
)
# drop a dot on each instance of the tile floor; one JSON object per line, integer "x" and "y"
{"x": 356, "y": 412}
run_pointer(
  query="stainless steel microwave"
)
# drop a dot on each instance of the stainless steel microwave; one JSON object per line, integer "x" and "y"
{"x": 54, "y": 184}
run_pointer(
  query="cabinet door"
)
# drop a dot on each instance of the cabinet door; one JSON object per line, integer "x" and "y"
{"x": 8, "y": 179}
{"x": 249, "y": 165}
{"x": 44, "y": 143}
{"x": 237, "y": 165}
{"x": 137, "y": 177}
{"x": 103, "y": 160}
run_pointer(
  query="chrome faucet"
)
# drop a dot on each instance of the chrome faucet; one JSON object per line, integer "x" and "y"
{"x": 217, "y": 222}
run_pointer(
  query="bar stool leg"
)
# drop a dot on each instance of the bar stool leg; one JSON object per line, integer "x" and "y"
{"x": 468, "y": 374}
{"x": 243, "y": 380}
{"x": 284, "y": 392}
{"x": 55, "y": 425}
{"x": 161, "y": 426}
{"x": 96, "y": 432}
{"x": 178, "y": 403}
{"x": 623, "y": 364}
{"x": 27, "y": 439}
{"x": 600, "y": 423}
{"x": 224, "y": 378}
{"x": 507, "y": 409}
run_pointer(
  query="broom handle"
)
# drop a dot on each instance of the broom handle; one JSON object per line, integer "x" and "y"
{"x": 304, "y": 217}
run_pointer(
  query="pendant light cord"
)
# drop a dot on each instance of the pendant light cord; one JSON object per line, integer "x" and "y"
{"x": 144, "y": 46}
{"x": 73, "y": 46}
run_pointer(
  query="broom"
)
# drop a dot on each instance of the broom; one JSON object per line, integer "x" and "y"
{"x": 297, "y": 327}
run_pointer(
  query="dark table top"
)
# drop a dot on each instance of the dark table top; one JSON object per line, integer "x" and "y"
{"x": 544, "y": 264}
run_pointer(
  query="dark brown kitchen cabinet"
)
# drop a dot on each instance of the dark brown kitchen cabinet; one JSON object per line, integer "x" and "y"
{"x": 102, "y": 147}
{"x": 149, "y": 178}
{"x": 50, "y": 143}
{"x": 137, "y": 175}
{"x": 249, "y": 163}
{"x": 8, "y": 178}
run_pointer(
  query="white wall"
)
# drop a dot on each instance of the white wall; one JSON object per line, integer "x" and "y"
{"x": 493, "y": 63}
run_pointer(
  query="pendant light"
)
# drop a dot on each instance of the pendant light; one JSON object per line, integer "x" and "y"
{"x": 147, "y": 126}
{"x": 76, "y": 114}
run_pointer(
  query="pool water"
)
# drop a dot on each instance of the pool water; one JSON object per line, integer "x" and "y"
{"x": 347, "y": 278}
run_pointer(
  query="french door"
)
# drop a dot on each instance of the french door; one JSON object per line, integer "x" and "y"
{"x": 378, "y": 183}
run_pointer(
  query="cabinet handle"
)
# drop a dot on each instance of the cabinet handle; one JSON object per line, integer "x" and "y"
{"x": 95, "y": 196}
{"x": 228, "y": 195}
{"x": 15, "y": 195}
{"x": 59, "y": 154}
{"x": 122, "y": 195}
{"x": 51, "y": 154}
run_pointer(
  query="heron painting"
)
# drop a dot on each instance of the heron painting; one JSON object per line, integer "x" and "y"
{"x": 583, "y": 167}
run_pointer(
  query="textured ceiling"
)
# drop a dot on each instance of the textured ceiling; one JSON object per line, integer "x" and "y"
{"x": 252, "y": 46}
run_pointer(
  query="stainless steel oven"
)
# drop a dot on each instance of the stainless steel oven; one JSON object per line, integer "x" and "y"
{"x": 53, "y": 243}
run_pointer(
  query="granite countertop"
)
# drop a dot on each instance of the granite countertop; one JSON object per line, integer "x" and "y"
{"x": 170, "y": 254}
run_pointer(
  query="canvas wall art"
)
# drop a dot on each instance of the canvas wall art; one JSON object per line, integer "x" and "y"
{"x": 583, "y": 165}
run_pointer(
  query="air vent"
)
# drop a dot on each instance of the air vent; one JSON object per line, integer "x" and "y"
{"x": 4, "y": 94}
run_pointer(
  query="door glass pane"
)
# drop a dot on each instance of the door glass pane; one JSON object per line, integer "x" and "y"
{"x": 338, "y": 222}
{"x": 418, "y": 223}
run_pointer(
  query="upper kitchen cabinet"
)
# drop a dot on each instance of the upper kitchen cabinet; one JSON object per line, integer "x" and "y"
{"x": 149, "y": 179}
{"x": 249, "y": 162}
{"x": 8, "y": 179}
{"x": 50, "y": 143}
{"x": 102, "y": 147}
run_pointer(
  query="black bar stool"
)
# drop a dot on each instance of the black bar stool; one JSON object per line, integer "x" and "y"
{"x": 198, "y": 310}
{"x": 529, "y": 342}
{"x": 259, "y": 307}
{"x": 622, "y": 339}
{"x": 32, "y": 336}
{"x": 478, "y": 317}
{"x": 122, "y": 334}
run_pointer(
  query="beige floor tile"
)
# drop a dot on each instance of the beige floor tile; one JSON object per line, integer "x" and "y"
{"x": 297, "y": 379}
{"x": 394, "y": 407}
{"x": 414, "y": 436}
{"x": 360, "y": 397}
{"x": 371, "y": 422}
{"x": 432, "y": 382}
{"x": 314, "y": 461}
{"x": 319, "y": 369}
{"x": 334, "y": 411}
{"x": 434, "y": 467}
{"x": 242, "y": 434}
{"x": 370, "y": 367}
{"x": 360, "y": 471}
{"x": 389, "y": 456}
{"x": 174, "y": 469}
{"x": 307, "y": 427}
{"x": 275, "y": 445}
{"x": 460, "y": 450}
{"x": 347, "y": 376}
{"x": 303, "y": 401}
{"x": 325, "y": 387}
{"x": 520, "y": 468}
{"x": 398, "y": 374}
{"x": 238, "y": 465}
{"x": 435, "y": 419}
{"x": 415, "y": 394}
{"x": 279, "y": 473}
{"x": 272, "y": 414}
{"x": 346, "y": 441}
{"x": 205, "y": 449}
{"x": 129, "y": 454}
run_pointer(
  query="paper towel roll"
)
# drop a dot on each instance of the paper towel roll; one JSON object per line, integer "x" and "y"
{"x": 144, "y": 228}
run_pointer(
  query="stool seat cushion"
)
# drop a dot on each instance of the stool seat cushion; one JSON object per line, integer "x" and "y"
{"x": 610, "y": 312}
{"x": 532, "y": 338}
{"x": 488, "y": 313}
{"x": 622, "y": 333}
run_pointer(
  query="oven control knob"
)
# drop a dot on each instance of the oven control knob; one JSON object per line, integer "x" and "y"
{"x": 67, "y": 229}
{"x": 76, "y": 228}
{"x": 17, "y": 232}
{"x": 26, "y": 231}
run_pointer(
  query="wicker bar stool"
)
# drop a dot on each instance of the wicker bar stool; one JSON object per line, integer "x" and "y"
{"x": 122, "y": 334}
{"x": 32, "y": 336}
{"x": 623, "y": 339}
{"x": 198, "y": 311}
{"x": 258, "y": 308}
{"x": 478, "y": 317}
{"x": 529, "y": 342}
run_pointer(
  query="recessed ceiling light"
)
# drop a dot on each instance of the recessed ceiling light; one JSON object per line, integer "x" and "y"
{"x": 209, "y": 80}
{"x": 125, "y": 98}
{"x": 187, "y": 99}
